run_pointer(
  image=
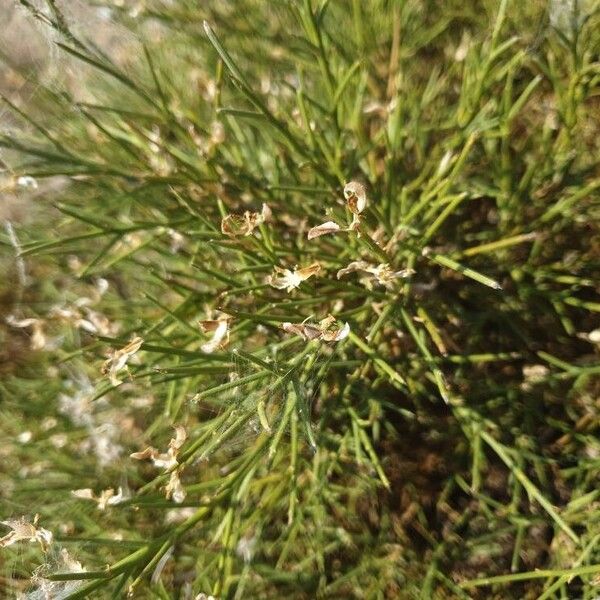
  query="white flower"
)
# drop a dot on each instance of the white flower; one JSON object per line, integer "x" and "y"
{"x": 284, "y": 279}
{"x": 102, "y": 286}
{"x": 177, "y": 241}
{"x": 462, "y": 50}
{"x": 217, "y": 133}
{"x": 26, "y": 532}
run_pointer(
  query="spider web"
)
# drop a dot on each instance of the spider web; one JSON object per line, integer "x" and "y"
{"x": 305, "y": 380}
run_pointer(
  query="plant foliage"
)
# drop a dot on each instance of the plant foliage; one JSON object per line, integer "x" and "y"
{"x": 402, "y": 403}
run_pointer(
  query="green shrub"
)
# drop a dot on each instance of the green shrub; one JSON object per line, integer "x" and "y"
{"x": 400, "y": 403}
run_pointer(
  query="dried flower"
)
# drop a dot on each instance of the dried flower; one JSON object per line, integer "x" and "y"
{"x": 93, "y": 322}
{"x": 445, "y": 163}
{"x": 104, "y": 499}
{"x": 25, "y": 437}
{"x": 119, "y": 358}
{"x": 102, "y": 286}
{"x": 356, "y": 196}
{"x": 305, "y": 330}
{"x": 26, "y": 181}
{"x": 266, "y": 213}
{"x": 174, "y": 489}
{"x": 38, "y": 338}
{"x": 284, "y": 279}
{"x": 220, "y": 330}
{"x": 246, "y": 548}
{"x": 594, "y": 336}
{"x": 234, "y": 225}
{"x": 320, "y": 331}
{"x": 535, "y": 373}
{"x": 356, "y": 200}
{"x": 323, "y": 229}
{"x": 27, "y": 532}
{"x": 178, "y": 515}
{"x": 382, "y": 273}
{"x": 168, "y": 462}
{"x": 217, "y": 133}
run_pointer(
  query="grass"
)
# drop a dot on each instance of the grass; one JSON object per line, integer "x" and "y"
{"x": 445, "y": 446}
